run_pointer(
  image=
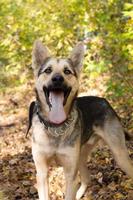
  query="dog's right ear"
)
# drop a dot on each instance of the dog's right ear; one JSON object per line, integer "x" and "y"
{"x": 39, "y": 54}
{"x": 77, "y": 56}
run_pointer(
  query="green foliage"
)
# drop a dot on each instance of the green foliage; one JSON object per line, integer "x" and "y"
{"x": 105, "y": 26}
{"x": 111, "y": 23}
{"x": 22, "y": 21}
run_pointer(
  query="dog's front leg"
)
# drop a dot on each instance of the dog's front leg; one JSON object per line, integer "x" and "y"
{"x": 42, "y": 175}
{"x": 71, "y": 184}
{"x": 69, "y": 161}
{"x": 42, "y": 185}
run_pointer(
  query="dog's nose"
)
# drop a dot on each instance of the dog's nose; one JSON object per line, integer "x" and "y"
{"x": 57, "y": 78}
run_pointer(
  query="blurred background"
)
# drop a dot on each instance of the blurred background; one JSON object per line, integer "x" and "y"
{"x": 105, "y": 27}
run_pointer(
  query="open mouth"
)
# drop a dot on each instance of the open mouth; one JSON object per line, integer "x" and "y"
{"x": 56, "y": 98}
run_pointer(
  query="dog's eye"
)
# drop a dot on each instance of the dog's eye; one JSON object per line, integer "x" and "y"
{"x": 48, "y": 70}
{"x": 67, "y": 71}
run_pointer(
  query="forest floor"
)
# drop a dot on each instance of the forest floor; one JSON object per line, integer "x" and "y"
{"x": 17, "y": 170}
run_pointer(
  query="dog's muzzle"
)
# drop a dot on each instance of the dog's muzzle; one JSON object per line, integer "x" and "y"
{"x": 56, "y": 96}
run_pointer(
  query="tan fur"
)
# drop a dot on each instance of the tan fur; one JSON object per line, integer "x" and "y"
{"x": 44, "y": 147}
{"x": 45, "y": 79}
{"x": 66, "y": 149}
{"x": 67, "y": 156}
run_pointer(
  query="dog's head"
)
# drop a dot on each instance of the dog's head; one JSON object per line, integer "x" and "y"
{"x": 57, "y": 80}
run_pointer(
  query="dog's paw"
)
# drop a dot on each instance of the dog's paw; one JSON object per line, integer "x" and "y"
{"x": 81, "y": 191}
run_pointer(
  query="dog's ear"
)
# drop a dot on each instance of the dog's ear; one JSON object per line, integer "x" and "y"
{"x": 39, "y": 54}
{"x": 77, "y": 56}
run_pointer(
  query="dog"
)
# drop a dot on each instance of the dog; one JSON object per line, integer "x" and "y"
{"x": 66, "y": 127}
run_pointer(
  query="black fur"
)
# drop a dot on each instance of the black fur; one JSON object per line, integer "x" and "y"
{"x": 94, "y": 111}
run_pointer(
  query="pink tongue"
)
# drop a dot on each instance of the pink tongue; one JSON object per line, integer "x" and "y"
{"x": 57, "y": 114}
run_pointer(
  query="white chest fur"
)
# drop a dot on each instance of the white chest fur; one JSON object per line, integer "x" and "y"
{"x": 51, "y": 143}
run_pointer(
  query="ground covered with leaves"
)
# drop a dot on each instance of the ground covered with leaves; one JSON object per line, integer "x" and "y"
{"x": 17, "y": 170}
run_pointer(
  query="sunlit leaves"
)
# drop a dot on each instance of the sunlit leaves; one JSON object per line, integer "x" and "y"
{"x": 105, "y": 26}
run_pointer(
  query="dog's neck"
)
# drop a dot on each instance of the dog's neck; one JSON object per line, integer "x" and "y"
{"x": 61, "y": 129}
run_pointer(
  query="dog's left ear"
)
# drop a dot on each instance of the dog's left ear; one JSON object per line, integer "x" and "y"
{"x": 39, "y": 55}
{"x": 77, "y": 56}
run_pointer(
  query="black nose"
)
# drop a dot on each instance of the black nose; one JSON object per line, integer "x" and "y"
{"x": 57, "y": 78}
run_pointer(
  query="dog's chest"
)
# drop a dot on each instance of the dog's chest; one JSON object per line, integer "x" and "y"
{"x": 49, "y": 142}
{"x": 41, "y": 138}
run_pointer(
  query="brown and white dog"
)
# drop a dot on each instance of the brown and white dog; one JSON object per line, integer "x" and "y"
{"x": 67, "y": 127}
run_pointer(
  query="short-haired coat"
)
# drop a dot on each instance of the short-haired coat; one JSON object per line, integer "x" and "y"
{"x": 67, "y": 127}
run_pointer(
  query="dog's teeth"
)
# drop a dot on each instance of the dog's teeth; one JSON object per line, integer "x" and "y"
{"x": 50, "y": 99}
